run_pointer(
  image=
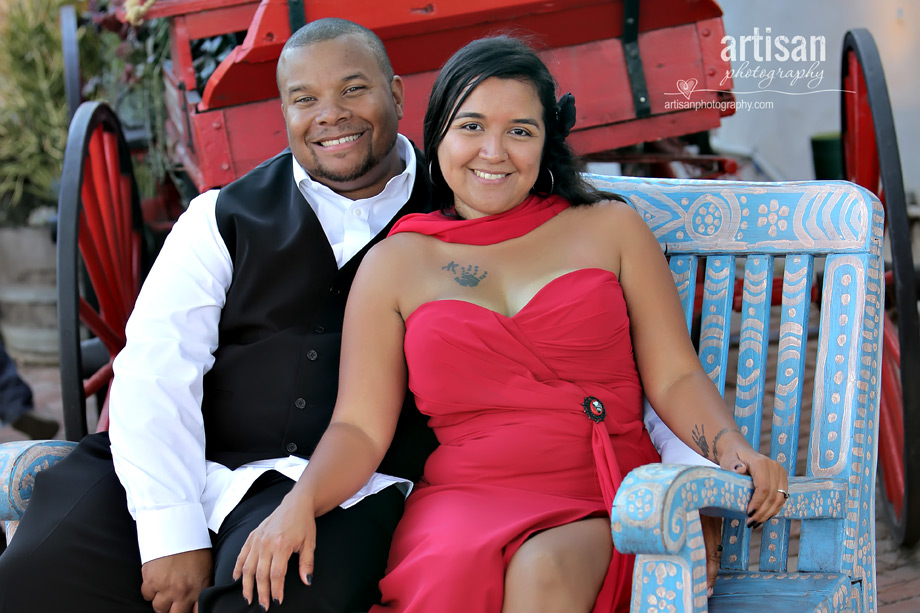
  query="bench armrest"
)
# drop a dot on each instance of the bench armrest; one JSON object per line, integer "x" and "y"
{"x": 656, "y": 515}
{"x": 651, "y": 507}
{"x": 20, "y": 462}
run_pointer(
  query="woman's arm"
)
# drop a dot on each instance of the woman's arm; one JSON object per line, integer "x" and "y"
{"x": 673, "y": 379}
{"x": 372, "y": 384}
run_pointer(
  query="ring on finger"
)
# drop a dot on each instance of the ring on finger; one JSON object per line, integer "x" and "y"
{"x": 784, "y": 493}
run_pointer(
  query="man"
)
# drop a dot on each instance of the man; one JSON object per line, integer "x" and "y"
{"x": 235, "y": 340}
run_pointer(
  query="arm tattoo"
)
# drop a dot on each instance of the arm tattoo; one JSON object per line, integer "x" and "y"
{"x": 467, "y": 276}
{"x": 715, "y": 441}
{"x": 699, "y": 437}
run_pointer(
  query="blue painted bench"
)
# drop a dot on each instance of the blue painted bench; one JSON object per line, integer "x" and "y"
{"x": 830, "y": 227}
{"x": 20, "y": 462}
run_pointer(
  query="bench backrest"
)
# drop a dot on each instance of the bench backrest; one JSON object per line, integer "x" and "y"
{"x": 819, "y": 240}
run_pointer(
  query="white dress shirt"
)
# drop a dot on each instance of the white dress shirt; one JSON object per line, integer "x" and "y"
{"x": 157, "y": 429}
{"x": 671, "y": 449}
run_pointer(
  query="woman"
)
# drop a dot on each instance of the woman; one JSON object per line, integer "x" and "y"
{"x": 525, "y": 315}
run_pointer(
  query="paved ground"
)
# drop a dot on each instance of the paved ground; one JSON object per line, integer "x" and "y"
{"x": 898, "y": 569}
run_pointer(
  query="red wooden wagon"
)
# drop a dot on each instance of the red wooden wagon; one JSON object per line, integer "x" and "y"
{"x": 626, "y": 61}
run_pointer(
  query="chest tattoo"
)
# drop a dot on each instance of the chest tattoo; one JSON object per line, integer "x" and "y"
{"x": 467, "y": 276}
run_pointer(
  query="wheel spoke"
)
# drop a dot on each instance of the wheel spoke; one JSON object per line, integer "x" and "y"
{"x": 103, "y": 217}
{"x": 113, "y": 217}
{"x": 891, "y": 423}
{"x": 99, "y": 276}
{"x": 126, "y": 233}
{"x": 98, "y": 379}
{"x": 114, "y": 340}
{"x": 100, "y": 177}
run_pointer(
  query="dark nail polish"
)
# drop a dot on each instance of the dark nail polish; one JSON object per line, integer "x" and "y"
{"x": 310, "y": 579}
{"x": 262, "y": 607}
{"x": 756, "y": 525}
{"x": 751, "y": 512}
{"x": 276, "y": 602}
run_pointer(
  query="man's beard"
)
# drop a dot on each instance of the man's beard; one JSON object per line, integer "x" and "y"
{"x": 370, "y": 161}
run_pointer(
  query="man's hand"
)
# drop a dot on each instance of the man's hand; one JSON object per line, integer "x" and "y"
{"x": 172, "y": 583}
{"x": 712, "y": 537}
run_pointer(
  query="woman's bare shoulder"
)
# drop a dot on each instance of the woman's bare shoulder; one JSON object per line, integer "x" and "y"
{"x": 399, "y": 248}
{"x": 612, "y": 217}
{"x": 397, "y": 258}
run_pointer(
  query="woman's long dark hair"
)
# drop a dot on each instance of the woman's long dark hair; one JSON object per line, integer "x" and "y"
{"x": 505, "y": 57}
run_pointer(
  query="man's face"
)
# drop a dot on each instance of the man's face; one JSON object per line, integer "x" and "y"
{"x": 342, "y": 114}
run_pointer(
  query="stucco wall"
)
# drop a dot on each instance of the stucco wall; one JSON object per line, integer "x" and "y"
{"x": 780, "y": 136}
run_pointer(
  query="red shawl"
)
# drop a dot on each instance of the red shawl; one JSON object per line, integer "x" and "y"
{"x": 520, "y": 220}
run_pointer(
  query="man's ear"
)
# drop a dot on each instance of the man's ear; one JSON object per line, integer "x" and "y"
{"x": 398, "y": 90}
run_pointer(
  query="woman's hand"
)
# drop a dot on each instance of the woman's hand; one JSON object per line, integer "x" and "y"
{"x": 769, "y": 479}
{"x": 291, "y": 528}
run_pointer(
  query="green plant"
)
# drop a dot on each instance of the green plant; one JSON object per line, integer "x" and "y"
{"x": 33, "y": 116}
{"x": 124, "y": 68}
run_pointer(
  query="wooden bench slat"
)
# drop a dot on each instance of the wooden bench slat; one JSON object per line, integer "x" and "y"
{"x": 715, "y": 318}
{"x": 683, "y": 270}
{"x": 749, "y": 592}
{"x": 798, "y": 272}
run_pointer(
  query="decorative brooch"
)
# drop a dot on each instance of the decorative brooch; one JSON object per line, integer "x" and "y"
{"x": 594, "y": 409}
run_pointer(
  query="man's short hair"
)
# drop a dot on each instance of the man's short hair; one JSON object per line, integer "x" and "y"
{"x": 330, "y": 28}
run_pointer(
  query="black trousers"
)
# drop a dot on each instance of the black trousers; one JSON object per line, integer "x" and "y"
{"x": 15, "y": 394}
{"x": 76, "y": 547}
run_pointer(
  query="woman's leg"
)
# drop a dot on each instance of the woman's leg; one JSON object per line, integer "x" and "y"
{"x": 560, "y": 569}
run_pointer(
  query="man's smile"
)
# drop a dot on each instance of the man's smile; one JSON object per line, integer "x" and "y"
{"x": 342, "y": 140}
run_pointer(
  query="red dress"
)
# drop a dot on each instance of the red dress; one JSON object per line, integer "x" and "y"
{"x": 522, "y": 448}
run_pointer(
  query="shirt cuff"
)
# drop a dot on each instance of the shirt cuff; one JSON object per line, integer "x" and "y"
{"x": 675, "y": 451}
{"x": 166, "y": 532}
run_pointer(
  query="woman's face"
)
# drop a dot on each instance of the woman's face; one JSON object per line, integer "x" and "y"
{"x": 490, "y": 155}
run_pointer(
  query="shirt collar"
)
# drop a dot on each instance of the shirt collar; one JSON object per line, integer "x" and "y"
{"x": 403, "y": 182}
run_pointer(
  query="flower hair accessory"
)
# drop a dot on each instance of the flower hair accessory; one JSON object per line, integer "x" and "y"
{"x": 565, "y": 114}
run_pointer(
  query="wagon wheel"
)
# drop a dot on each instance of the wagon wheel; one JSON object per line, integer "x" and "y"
{"x": 871, "y": 159}
{"x": 99, "y": 251}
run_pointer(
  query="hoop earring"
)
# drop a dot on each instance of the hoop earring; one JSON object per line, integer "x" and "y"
{"x": 552, "y": 184}
{"x": 430, "y": 172}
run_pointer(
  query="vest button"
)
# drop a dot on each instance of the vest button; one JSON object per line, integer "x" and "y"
{"x": 335, "y": 291}
{"x": 300, "y": 403}
{"x": 319, "y": 329}
{"x": 312, "y": 355}
{"x": 291, "y": 447}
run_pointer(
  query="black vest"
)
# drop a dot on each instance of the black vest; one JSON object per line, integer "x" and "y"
{"x": 273, "y": 385}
